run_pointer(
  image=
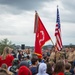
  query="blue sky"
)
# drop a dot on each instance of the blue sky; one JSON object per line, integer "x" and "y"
{"x": 17, "y": 20}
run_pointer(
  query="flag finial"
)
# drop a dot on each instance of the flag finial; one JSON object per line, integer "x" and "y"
{"x": 57, "y": 6}
{"x": 35, "y": 11}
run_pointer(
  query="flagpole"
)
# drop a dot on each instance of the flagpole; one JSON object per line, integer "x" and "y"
{"x": 35, "y": 23}
{"x": 52, "y": 42}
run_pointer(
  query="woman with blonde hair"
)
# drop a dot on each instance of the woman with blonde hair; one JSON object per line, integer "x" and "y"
{"x": 6, "y": 57}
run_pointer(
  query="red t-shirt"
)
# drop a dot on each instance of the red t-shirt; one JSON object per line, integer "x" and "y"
{"x": 8, "y": 60}
{"x": 60, "y": 73}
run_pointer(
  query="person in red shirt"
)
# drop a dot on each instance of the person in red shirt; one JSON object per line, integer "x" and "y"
{"x": 59, "y": 68}
{"x": 6, "y": 57}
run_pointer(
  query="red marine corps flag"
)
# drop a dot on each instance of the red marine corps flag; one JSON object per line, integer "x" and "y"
{"x": 58, "y": 32}
{"x": 42, "y": 35}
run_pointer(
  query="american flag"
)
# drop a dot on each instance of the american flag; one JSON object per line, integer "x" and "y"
{"x": 58, "y": 32}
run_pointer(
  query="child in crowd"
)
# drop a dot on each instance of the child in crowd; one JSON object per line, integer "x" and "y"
{"x": 67, "y": 69}
{"x": 3, "y": 72}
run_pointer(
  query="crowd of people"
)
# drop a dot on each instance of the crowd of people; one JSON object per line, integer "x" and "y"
{"x": 23, "y": 62}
